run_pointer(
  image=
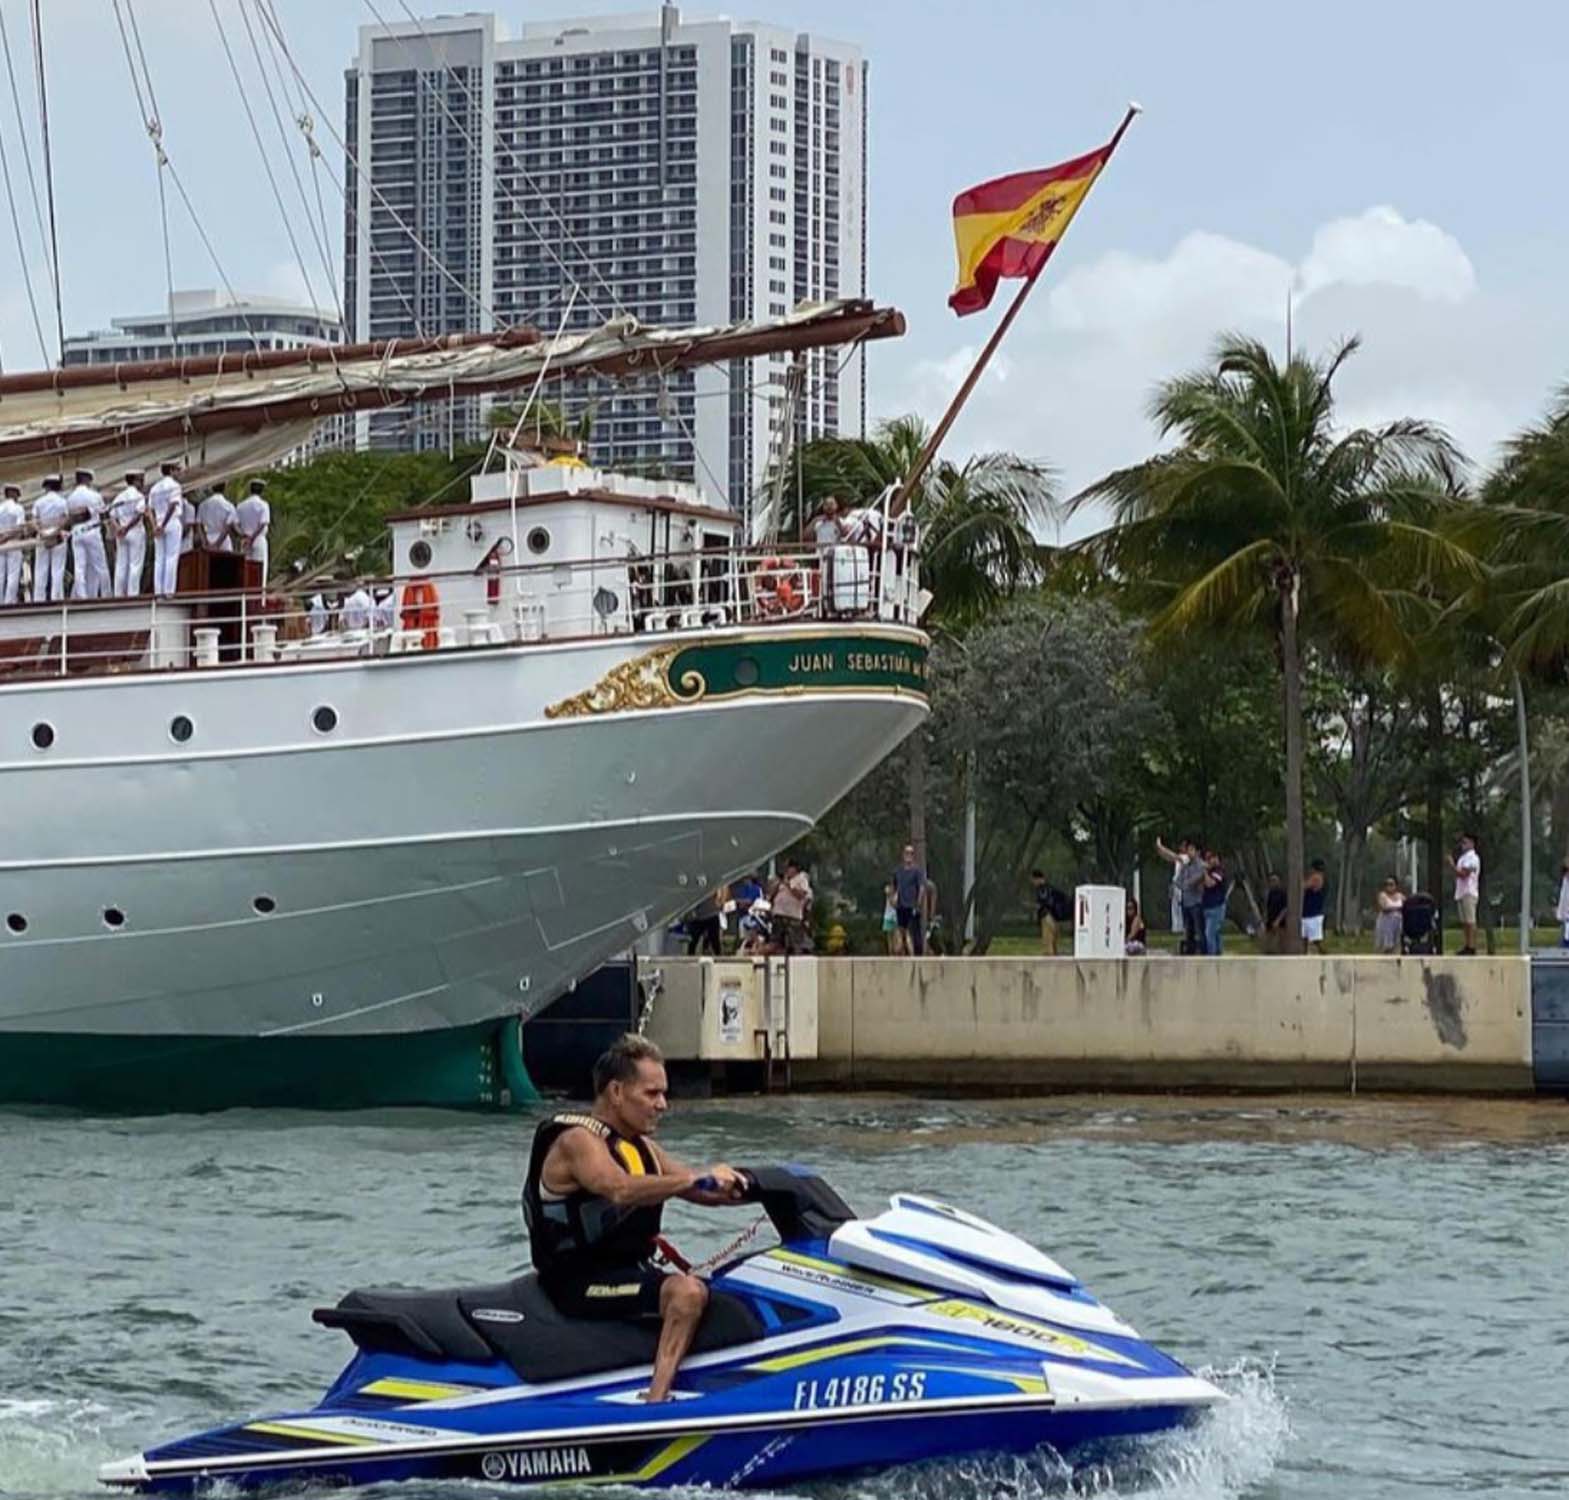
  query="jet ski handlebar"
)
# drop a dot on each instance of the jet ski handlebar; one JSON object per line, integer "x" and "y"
{"x": 799, "y": 1204}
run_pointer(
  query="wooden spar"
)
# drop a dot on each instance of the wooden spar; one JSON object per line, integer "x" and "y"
{"x": 250, "y": 361}
{"x": 850, "y": 323}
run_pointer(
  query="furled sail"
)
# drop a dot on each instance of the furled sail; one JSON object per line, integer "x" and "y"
{"x": 229, "y": 412}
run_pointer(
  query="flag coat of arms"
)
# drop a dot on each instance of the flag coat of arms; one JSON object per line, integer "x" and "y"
{"x": 1009, "y": 226}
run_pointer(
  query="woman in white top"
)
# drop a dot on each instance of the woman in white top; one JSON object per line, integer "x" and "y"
{"x": 1563, "y": 905}
{"x": 1386, "y": 930}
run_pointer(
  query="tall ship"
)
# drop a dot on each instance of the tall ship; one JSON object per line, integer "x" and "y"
{"x": 270, "y": 845}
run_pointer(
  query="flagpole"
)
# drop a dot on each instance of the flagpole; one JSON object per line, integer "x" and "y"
{"x": 949, "y": 417}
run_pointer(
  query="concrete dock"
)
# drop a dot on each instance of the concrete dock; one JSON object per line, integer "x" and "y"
{"x": 1452, "y": 1025}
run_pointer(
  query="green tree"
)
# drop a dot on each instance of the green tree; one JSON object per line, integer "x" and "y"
{"x": 1265, "y": 517}
{"x": 978, "y": 521}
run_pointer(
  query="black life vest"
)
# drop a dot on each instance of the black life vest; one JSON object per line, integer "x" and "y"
{"x": 584, "y": 1232}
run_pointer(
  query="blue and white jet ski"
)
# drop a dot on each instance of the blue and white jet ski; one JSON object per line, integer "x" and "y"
{"x": 854, "y": 1344}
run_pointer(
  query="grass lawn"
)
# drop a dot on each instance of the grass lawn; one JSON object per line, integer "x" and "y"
{"x": 1235, "y": 942}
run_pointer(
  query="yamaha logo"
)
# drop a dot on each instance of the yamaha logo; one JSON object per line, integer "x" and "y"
{"x": 537, "y": 1463}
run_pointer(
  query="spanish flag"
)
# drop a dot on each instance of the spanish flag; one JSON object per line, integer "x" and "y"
{"x": 1010, "y": 226}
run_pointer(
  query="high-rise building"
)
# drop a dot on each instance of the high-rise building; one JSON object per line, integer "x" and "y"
{"x": 680, "y": 171}
{"x": 203, "y": 323}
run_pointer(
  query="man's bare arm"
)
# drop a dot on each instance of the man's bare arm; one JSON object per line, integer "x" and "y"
{"x": 726, "y": 1179}
{"x": 578, "y": 1161}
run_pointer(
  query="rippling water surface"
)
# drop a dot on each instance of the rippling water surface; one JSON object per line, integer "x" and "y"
{"x": 1382, "y": 1285}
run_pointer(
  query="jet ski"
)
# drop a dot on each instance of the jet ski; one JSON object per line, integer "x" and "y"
{"x": 852, "y": 1345}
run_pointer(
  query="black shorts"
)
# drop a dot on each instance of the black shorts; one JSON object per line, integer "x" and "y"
{"x": 907, "y": 916}
{"x": 619, "y": 1293}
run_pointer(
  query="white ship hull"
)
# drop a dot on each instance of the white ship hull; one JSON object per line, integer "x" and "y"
{"x": 462, "y": 845}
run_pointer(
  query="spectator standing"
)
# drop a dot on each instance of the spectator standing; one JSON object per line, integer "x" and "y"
{"x": 893, "y": 939}
{"x": 909, "y": 886}
{"x": 1135, "y": 936}
{"x": 703, "y": 926}
{"x": 1314, "y": 892}
{"x": 1468, "y": 888}
{"x": 1052, "y": 908}
{"x": 1212, "y": 901}
{"x": 1275, "y": 915}
{"x": 1188, "y": 880}
{"x": 1391, "y": 903}
{"x": 931, "y": 923}
{"x": 1563, "y": 905}
{"x": 827, "y": 533}
{"x": 792, "y": 903}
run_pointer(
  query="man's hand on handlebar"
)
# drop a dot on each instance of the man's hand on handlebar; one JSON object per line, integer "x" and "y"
{"x": 718, "y": 1184}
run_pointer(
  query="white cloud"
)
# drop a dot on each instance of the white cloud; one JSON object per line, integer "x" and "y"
{"x": 1437, "y": 343}
{"x": 1379, "y": 248}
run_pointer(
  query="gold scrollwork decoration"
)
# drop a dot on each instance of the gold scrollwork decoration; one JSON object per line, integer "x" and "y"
{"x": 693, "y": 685}
{"x": 642, "y": 682}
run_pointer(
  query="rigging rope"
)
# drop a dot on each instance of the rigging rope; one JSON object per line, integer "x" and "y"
{"x": 270, "y": 18}
{"x": 21, "y": 249}
{"x": 154, "y": 123}
{"x": 27, "y": 155}
{"x": 261, "y": 149}
{"x": 307, "y": 126}
{"x": 43, "y": 116}
{"x": 283, "y": 137}
{"x": 616, "y": 305}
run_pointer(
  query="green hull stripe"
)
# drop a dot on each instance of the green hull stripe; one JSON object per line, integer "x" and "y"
{"x": 806, "y": 663}
{"x": 464, "y": 1068}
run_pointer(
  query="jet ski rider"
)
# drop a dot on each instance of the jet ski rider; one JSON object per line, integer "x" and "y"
{"x": 592, "y": 1202}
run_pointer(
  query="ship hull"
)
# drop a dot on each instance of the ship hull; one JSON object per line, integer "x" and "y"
{"x": 204, "y": 926}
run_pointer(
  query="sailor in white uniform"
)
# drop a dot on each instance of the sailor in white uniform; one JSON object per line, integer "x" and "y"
{"x": 384, "y": 617}
{"x": 216, "y": 514}
{"x": 51, "y": 520}
{"x": 188, "y": 525}
{"x": 128, "y": 523}
{"x": 253, "y": 520}
{"x": 89, "y": 559}
{"x": 357, "y": 609}
{"x": 166, "y": 506}
{"x": 316, "y": 614}
{"x": 12, "y": 519}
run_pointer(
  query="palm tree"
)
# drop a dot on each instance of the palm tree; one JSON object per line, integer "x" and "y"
{"x": 978, "y": 521}
{"x": 1264, "y": 517}
{"x": 1523, "y": 526}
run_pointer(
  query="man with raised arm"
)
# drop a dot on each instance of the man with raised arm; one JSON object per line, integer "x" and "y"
{"x": 593, "y": 1199}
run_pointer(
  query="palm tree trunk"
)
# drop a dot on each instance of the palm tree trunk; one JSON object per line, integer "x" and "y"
{"x": 1433, "y": 833}
{"x": 1291, "y": 671}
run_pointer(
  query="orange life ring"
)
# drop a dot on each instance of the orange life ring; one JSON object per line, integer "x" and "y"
{"x": 422, "y": 611}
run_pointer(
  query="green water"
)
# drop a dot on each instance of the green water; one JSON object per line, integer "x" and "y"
{"x": 1380, "y": 1284}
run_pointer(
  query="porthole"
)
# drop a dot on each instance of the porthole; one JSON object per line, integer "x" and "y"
{"x": 43, "y": 736}
{"x": 16, "y": 922}
{"x": 264, "y": 905}
{"x": 325, "y": 719}
{"x": 181, "y": 729}
{"x": 747, "y": 672}
{"x": 114, "y": 917}
{"x": 538, "y": 541}
{"x": 419, "y": 555}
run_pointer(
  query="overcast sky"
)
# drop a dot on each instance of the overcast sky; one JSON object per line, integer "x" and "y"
{"x": 1396, "y": 167}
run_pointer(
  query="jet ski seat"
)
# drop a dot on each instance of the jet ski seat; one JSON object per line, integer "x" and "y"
{"x": 516, "y": 1322}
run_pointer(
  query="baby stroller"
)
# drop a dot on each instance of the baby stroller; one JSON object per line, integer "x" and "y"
{"x": 1419, "y": 924}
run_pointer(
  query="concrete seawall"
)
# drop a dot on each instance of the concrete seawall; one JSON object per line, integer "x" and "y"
{"x": 1007, "y": 1024}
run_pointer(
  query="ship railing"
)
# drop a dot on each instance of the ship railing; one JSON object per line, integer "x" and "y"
{"x": 641, "y": 595}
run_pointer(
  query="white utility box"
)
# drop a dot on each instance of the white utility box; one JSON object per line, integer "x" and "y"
{"x": 1099, "y": 917}
{"x": 851, "y": 570}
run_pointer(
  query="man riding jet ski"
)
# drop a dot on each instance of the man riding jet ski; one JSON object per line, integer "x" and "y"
{"x": 593, "y": 1200}
{"x": 853, "y": 1344}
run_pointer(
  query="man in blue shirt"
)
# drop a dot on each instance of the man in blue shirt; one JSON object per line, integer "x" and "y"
{"x": 909, "y": 885}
